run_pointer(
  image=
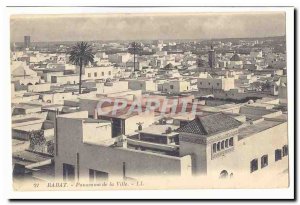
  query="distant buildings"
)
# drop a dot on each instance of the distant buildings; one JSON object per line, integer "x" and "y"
{"x": 176, "y": 86}
{"x": 212, "y": 58}
{"x": 142, "y": 84}
{"x": 235, "y": 62}
{"x": 26, "y": 41}
{"x": 240, "y": 129}
{"x": 209, "y": 85}
{"x": 103, "y": 72}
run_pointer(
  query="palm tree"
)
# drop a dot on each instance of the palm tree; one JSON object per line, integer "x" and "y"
{"x": 135, "y": 48}
{"x": 81, "y": 55}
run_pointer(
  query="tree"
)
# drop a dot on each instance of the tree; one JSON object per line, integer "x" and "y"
{"x": 257, "y": 86}
{"x": 201, "y": 63}
{"x": 50, "y": 147}
{"x": 37, "y": 140}
{"x": 135, "y": 48}
{"x": 266, "y": 86}
{"x": 81, "y": 55}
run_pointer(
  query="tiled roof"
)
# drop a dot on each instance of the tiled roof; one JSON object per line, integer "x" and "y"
{"x": 210, "y": 124}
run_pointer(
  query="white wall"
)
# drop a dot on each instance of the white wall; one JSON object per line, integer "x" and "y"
{"x": 109, "y": 159}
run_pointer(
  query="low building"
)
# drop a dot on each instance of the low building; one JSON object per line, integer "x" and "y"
{"x": 109, "y": 160}
{"x": 210, "y": 84}
{"x": 93, "y": 73}
{"x": 65, "y": 79}
{"x": 39, "y": 87}
{"x": 176, "y": 86}
{"x": 235, "y": 62}
{"x": 145, "y": 85}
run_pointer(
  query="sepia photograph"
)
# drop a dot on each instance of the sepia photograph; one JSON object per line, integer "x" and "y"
{"x": 150, "y": 100}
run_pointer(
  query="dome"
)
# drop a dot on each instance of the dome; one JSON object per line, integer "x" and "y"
{"x": 250, "y": 102}
{"x": 169, "y": 66}
{"x": 235, "y": 57}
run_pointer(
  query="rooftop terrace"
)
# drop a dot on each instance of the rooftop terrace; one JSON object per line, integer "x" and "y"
{"x": 255, "y": 128}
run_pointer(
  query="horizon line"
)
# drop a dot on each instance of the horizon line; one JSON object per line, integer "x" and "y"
{"x": 204, "y": 39}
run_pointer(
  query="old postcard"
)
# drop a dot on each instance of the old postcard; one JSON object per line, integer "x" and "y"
{"x": 150, "y": 100}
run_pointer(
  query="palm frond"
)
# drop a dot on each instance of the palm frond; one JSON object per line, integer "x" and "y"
{"x": 81, "y": 53}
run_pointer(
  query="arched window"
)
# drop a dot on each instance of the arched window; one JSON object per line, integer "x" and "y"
{"x": 253, "y": 165}
{"x": 218, "y": 146}
{"x": 278, "y": 154}
{"x": 214, "y": 148}
{"x": 223, "y": 144}
{"x": 227, "y": 143}
{"x": 285, "y": 150}
{"x": 231, "y": 141}
{"x": 223, "y": 174}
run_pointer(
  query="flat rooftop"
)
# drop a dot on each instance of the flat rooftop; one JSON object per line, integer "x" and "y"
{"x": 90, "y": 120}
{"x": 256, "y": 128}
{"x": 283, "y": 117}
{"x": 25, "y": 120}
{"x": 28, "y": 157}
{"x": 18, "y": 142}
{"x": 160, "y": 130}
{"x": 27, "y": 106}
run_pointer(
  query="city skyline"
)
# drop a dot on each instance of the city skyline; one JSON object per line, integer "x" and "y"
{"x": 111, "y": 27}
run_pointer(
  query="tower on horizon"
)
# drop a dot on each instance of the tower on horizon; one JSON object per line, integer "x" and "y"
{"x": 212, "y": 58}
{"x": 26, "y": 41}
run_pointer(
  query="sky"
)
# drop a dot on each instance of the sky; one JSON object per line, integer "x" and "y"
{"x": 86, "y": 27}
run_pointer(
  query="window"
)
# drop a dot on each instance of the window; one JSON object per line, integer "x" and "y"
{"x": 285, "y": 150}
{"x": 208, "y": 83}
{"x": 68, "y": 172}
{"x": 222, "y": 145}
{"x": 218, "y": 146}
{"x": 89, "y": 75}
{"x": 172, "y": 87}
{"x": 264, "y": 161}
{"x": 214, "y": 148}
{"x": 200, "y": 83}
{"x": 218, "y": 84}
{"x": 102, "y": 73}
{"x": 223, "y": 174}
{"x": 124, "y": 170}
{"x": 253, "y": 165}
{"x": 97, "y": 176}
{"x": 109, "y": 72}
{"x": 95, "y": 74}
{"x": 227, "y": 143}
{"x": 231, "y": 141}
{"x": 278, "y": 155}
